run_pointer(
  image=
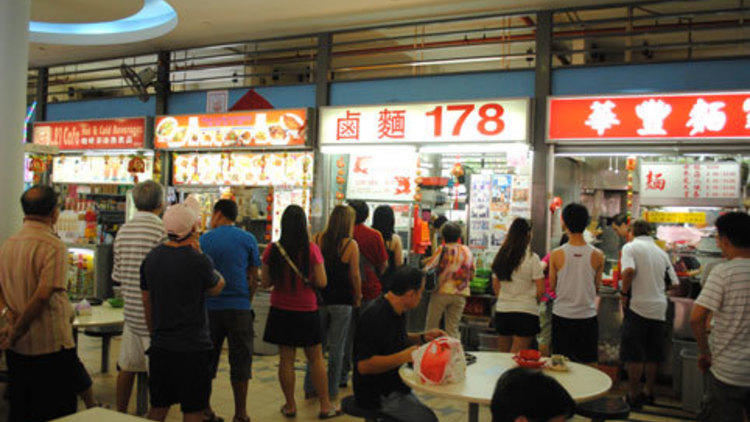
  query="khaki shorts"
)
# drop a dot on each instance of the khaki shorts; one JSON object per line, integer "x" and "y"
{"x": 133, "y": 351}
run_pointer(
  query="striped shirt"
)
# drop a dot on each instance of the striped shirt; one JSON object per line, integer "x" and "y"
{"x": 727, "y": 295}
{"x": 134, "y": 241}
{"x": 33, "y": 257}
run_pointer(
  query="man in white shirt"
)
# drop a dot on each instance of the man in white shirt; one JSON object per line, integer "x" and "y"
{"x": 644, "y": 269}
{"x": 726, "y": 295}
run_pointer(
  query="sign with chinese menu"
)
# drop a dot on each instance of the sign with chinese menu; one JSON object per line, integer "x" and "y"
{"x": 662, "y": 183}
{"x": 661, "y": 217}
{"x": 282, "y": 198}
{"x": 98, "y": 169}
{"x": 722, "y": 115}
{"x": 282, "y": 169}
{"x": 92, "y": 134}
{"x": 382, "y": 177}
{"x": 460, "y": 121}
{"x": 267, "y": 128}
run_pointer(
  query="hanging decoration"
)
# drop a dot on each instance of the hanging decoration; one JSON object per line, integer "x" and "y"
{"x": 630, "y": 165}
{"x": 158, "y": 166}
{"x": 136, "y": 165}
{"x": 340, "y": 180}
{"x": 458, "y": 173}
{"x": 269, "y": 214}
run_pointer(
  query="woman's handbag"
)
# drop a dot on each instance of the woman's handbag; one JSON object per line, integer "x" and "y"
{"x": 432, "y": 275}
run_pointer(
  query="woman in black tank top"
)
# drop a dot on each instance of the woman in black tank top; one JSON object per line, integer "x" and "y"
{"x": 341, "y": 294}
{"x": 383, "y": 220}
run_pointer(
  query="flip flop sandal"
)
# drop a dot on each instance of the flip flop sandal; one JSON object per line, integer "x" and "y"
{"x": 288, "y": 414}
{"x": 331, "y": 414}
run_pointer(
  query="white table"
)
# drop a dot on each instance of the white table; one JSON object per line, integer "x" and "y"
{"x": 101, "y": 316}
{"x": 97, "y": 414}
{"x": 582, "y": 382}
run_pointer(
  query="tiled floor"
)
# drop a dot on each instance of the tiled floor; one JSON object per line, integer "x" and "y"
{"x": 265, "y": 398}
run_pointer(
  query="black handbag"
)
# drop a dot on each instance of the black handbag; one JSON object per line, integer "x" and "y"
{"x": 431, "y": 276}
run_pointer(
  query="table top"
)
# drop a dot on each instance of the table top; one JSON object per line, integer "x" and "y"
{"x": 101, "y": 316}
{"x": 582, "y": 382}
{"x": 99, "y": 414}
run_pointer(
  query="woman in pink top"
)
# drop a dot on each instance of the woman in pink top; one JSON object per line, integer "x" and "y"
{"x": 294, "y": 267}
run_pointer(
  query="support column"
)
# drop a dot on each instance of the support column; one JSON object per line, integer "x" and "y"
{"x": 14, "y": 60}
{"x": 321, "y": 182}
{"x": 542, "y": 88}
{"x": 162, "y": 82}
{"x": 42, "y": 89}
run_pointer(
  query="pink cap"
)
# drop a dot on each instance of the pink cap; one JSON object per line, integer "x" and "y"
{"x": 179, "y": 220}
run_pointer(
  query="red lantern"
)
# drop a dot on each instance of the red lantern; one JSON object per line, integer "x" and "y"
{"x": 418, "y": 197}
{"x": 630, "y": 164}
{"x": 556, "y": 204}
{"x": 340, "y": 180}
{"x": 37, "y": 165}
{"x": 339, "y": 196}
{"x": 340, "y": 172}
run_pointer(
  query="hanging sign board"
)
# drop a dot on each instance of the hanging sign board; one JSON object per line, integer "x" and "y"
{"x": 247, "y": 129}
{"x": 92, "y": 134}
{"x": 681, "y": 184}
{"x": 382, "y": 177}
{"x": 721, "y": 115}
{"x": 459, "y": 121}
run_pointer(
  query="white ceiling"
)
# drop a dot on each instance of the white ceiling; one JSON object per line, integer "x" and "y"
{"x": 204, "y": 22}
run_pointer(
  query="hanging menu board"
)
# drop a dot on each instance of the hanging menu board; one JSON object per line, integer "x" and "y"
{"x": 690, "y": 184}
{"x": 282, "y": 169}
{"x": 98, "y": 169}
{"x": 382, "y": 177}
{"x": 479, "y": 211}
{"x": 282, "y": 198}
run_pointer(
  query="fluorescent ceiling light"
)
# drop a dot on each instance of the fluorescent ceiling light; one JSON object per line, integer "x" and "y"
{"x": 155, "y": 19}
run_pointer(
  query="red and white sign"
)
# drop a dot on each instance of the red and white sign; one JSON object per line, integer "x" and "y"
{"x": 92, "y": 134}
{"x": 382, "y": 177}
{"x": 459, "y": 121}
{"x": 722, "y": 115}
{"x": 663, "y": 181}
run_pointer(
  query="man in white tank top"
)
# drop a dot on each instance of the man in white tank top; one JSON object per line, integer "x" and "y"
{"x": 575, "y": 276}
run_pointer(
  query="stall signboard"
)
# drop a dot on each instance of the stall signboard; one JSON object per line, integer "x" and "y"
{"x": 99, "y": 169}
{"x": 662, "y": 217}
{"x": 281, "y": 169}
{"x": 92, "y": 134}
{"x": 722, "y": 115}
{"x": 662, "y": 182}
{"x": 382, "y": 177}
{"x": 247, "y": 129}
{"x": 460, "y": 121}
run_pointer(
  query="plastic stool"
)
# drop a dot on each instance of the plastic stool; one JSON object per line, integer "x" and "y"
{"x": 604, "y": 409}
{"x": 106, "y": 334}
{"x": 349, "y": 406}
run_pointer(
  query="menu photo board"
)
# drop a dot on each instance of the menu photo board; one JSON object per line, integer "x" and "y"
{"x": 99, "y": 169}
{"x": 494, "y": 120}
{"x": 246, "y": 129}
{"x": 382, "y": 177}
{"x": 288, "y": 169}
{"x": 715, "y": 183}
{"x": 127, "y": 133}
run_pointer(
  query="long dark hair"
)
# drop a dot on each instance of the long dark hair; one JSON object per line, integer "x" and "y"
{"x": 296, "y": 241}
{"x": 383, "y": 221}
{"x": 514, "y": 249}
{"x": 340, "y": 226}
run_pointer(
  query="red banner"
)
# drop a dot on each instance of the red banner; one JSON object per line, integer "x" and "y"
{"x": 722, "y": 115}
{"x": 92, "y": 134}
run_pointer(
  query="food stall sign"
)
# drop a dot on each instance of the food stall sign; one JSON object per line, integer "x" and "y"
{"x": 683, "y": 184}
{"x": 128, "y": 133}
{"x": 721, "y": 115}
{"x": 247, "y": 129}
{"x": 660, "y": 217}
{"x": 491, "y": 120}
{"x": 381, "y": 177}
{"x": 99, "y": 169}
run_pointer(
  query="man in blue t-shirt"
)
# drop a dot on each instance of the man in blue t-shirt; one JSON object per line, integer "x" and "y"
{"x": 235, "y": 255}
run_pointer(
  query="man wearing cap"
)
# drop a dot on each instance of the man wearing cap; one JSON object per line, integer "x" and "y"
{"x": 175, "y": 279}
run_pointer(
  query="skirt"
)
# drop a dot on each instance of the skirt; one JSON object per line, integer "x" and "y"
{"x": 293, "y": 328}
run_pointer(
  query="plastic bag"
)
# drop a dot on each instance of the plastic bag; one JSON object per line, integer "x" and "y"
{"x": 440, "y": 361}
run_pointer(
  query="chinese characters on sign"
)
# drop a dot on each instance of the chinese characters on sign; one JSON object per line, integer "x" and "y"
{"x": 690, "y": 181}
{"x": 482, "y": 121}
{"x": 683, "y": 116}
{"x": 92, "y": 134}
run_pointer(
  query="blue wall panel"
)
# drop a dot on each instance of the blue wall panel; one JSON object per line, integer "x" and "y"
{"x": 293, "y": 96}
{"x": 434, "y": 88}
{"x": 648, "y": 78}
{"x": 101, "y": 109}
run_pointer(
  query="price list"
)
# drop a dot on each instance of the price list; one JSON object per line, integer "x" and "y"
{"x": 716, "y": 180}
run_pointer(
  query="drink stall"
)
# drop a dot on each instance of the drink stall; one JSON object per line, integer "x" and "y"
{"x": 94, "y": 167}
{"x": 262, "y": 159}
{"x": 466, "y": 160}
{"x": 676, "y": 160}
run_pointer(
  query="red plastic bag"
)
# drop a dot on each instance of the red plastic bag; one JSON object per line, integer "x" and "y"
{"x": 440, "y": 361}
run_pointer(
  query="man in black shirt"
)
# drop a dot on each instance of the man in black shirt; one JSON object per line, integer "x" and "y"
{"x": 175, "y": 278}
{"x": 382, "y": 345}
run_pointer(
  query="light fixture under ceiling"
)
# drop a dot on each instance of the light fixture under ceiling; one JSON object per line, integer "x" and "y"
{"x": 155, "y": 19}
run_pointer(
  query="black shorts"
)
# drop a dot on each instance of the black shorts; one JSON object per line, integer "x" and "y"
{"x": 237, "y": 327}
{"x": 642, "y": 339}
{"x": 293, "y": 328}
{"x": 43, "y": 387}
{"x": 180, "y": 377}
{"x": 518, "y": 324}
{"x": 578, "y": 339}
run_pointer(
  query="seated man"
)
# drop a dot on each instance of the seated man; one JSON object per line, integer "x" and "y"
{"x": 530, "y": 396}
{"x": 381, "y": 346}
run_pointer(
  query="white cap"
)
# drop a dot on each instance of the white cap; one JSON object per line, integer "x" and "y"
{"x": 180, "y": 219}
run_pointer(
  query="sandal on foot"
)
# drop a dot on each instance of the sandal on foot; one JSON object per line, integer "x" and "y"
{"x": 287, "y": 413}
{"x": 212, "y": 418}
{"x": 333, "y": 413}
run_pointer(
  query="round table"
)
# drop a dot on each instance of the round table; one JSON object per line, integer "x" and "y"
{"x": 582, "y": 382}
{"x": 101, "y": 316}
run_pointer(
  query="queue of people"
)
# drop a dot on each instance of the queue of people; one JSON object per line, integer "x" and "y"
{"x": 346, "y": 290}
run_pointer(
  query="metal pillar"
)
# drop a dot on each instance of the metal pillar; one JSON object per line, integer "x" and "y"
{"x": 321, "y": 182}
{"x": 162, "y": 82}
{"x": 42, "y": 89}
{"x": 542, "y": 88}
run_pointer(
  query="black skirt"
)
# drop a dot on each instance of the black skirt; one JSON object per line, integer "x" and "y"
{"x": 293, "y": 328}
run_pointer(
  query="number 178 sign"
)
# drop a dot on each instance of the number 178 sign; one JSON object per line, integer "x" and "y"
{"x": 458, "y": 121}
